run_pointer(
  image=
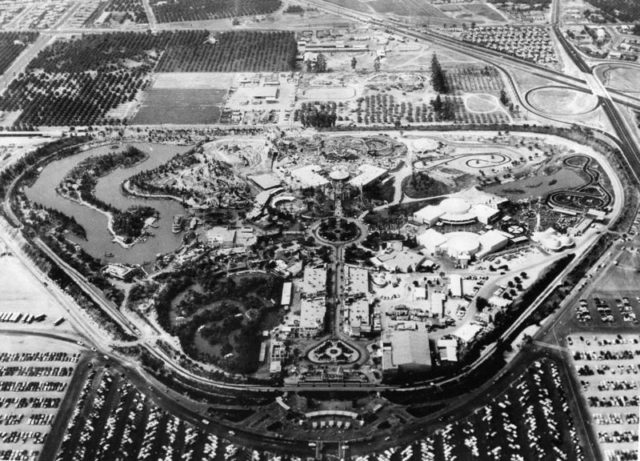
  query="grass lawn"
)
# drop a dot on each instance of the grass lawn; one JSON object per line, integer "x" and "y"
{"x": 180, "y": 106}
{"x": 539, "y": 186}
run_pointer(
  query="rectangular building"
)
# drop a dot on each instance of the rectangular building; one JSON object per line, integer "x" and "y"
{"x": 455, "y": 286}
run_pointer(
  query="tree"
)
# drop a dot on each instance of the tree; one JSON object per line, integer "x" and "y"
{"x": 438, "y": 77}
{"x": 437, "y": 105}
{"x": 504, "y": 98}
{"x": 321, "y": 63}
{"x": 354, "y": 62}
{"x": 376, "y": 64}
{"x": 481, "y": 303}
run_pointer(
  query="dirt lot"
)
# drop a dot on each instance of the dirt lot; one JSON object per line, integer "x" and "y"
{"x": 21, "y": 292}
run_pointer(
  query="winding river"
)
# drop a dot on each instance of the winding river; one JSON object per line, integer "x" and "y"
{"x": 99, "y": 241}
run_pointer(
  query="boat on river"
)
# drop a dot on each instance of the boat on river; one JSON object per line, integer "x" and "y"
{"x": 178, "y": 222}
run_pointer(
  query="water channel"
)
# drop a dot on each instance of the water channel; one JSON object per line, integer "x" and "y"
{"x": 99, "y": 243}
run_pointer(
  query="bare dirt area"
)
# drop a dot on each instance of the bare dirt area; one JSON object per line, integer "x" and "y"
{"x": 561, "y": 101}
{"x": 22, "y": 294}
{"x": 481, "y": 103}
{"x": 621, "y": 77}
{"x": 192, "y": 80}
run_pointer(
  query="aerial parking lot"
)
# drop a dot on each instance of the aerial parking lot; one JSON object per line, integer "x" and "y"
{"x": 35, "y": 374}
{"x": 607, "y": 367}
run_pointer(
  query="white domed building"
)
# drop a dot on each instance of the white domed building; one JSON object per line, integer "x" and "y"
{"x": 462, "y": 246}
{"x": 465, "y": 207}
{"x": 552, "y": 240}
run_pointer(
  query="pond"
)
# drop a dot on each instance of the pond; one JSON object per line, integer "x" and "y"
{"x": 99, "y": 243}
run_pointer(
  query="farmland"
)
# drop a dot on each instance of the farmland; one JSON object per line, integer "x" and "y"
{"x": 194, "y": 10}
{"x": 126, "y": 10}
{"x": 180, "y": 106}
{"x": 81, "y": 81}
{"x": 230, "y": 52}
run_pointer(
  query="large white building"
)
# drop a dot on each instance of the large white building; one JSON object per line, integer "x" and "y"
{"x": 314, "y": 282}
{"x": 313, "y": 305}
{"x": 358, "y": 318}
{"x": 407, "y": 349}
{"x": 462, "y": 245}
{"x": 356, "y": 281}
{"x": 312, "y": 313}
{"x": 455, "y": 285}
{"x": 465, "y": 207}
{"x": 308, "y": 176}
{"x": 367, "y": 174}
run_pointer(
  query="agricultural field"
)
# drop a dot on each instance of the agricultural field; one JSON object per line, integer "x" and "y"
{"x": 83, "y": 81}
{"x": 198, "y": 10}
{"x": 618, "y": 10}
{"x": 12, "y": 44}
{"x": 180, "y": 106}
{"x": 404, "y": 97}
{"x": 245, "y": 51}
{"x": 478, "y": 13}
{"x": 35, "y": 374}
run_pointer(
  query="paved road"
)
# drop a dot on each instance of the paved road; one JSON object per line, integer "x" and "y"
{"x": 20, "y": 63}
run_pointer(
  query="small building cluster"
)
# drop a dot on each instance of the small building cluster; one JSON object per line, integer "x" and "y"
{"x": 532, "y": 43}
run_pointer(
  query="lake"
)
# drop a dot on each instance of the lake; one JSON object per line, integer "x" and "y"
{"x": 99, "y": 241}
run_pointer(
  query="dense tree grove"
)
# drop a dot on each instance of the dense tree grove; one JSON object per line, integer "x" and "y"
{"x": 11, "y": 45}
{"x": 318, "y": 116}
{"x": 444, "y": 110}
{"x": 133, "y": 10}
{"x": 241, "y": 51}
{"x": 623, "y": 10}
{"x": 438, "y": 77}
{"x": 197, "y": 10}
{"x": 534, "y": 4}
{"x": 78, "y": 82}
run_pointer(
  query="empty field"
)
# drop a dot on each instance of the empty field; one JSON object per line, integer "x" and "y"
{"x": 622, "y": 78}
{"x": 192, "y": 81}
{"x": 561, "y": 101}
{"x": 180, "y": 107}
